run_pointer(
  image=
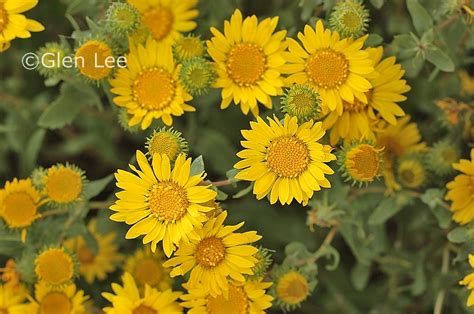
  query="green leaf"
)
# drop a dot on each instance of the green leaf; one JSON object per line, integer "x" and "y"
{"x": 459, "y": 235}
{"x": 221, "y": 196}
{"x": 231, "y": 176}
{"x": 94, "y": 188}
{"x": 413, "y": 66}
{"x": 243, "y": 192}
{"x": 440, "y": 59}
{"x": 360, "y": 274}
{"x": 419, "y": 285}
{"x": 374, "y": 40}
{"x": 384, "y": 211}
{"x": 420, "y": 17}
{"x": 428, "y": 37}
{"x": 197, "y": 166}
{"x": 377, "y": 3}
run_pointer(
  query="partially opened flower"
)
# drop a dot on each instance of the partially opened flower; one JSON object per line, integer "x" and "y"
{"x": 217, "y": 255}
{"x": 64, "y": 184}
{"x": 468, "y": 281}
{"x": 149, "y": 87}
{"x": 57, "y": 299}
{"x": 167, "y": 19}
{"x": 247, "y": 57}
{"x": 55, "y": 266}
{"x": 162, "y": 203}
{"x": 285, "y": 159}
{"x": 128, "y": 299}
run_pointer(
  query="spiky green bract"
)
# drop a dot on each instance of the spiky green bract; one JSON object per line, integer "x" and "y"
{"x": 188, "y": 47}
{"x": 123, "y": 119}
{"x": 51, "y": 59}
{"x": 166, "y": 141}
{"x": 441, "y": 156}
{"x": 122, "y": 19}
{"x": 264, "y": 258}
{"x": 302, "y": 102}
{"x": 197, "y": 75}
{"x": 37, "y": 178}
{"x": 349, "y": 18}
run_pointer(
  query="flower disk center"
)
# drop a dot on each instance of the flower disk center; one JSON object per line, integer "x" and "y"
{"x": 64, "y": 185}
{"x": 293, "y": 288}
{"x": 327, "y": 68}
{"x": 210, "y": 252}
{"x": 352, "y": 20}
{"x": 288, "y": 156}
{"x": 165, "y": 143}
{"x": 54, "y": 266}
{"x": 19, "y": 209}
{"x": 85, "y": 255}
{"x": 246, "y": 64}
{"x": 55, "y": 303}
{"x": 91, "y": 60}
{"x": 154, "y": 89}
{"x": 144, "y": 309}
{"x": 363, "y": 162}
{"x": 168, "y": 201}
{"x": 159, "y": 21}
{"x": 236, "y": 303}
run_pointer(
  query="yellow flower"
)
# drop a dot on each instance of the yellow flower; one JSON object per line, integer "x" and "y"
{"x": 19, "y": 202}
{"x": 461, "y": 190}
{"x": 217, "y": 254}
{"x": 95, "y": 265}
{"x": 12, "y": 300}
{"x": 147, "y": 269}
{"x": 411, "y": 172}
{"x": 161, "y": 203}
{"x": 358, "y": 118}
{"x": 398, "y": 140}
{"x": 361, "y": 162}
{"x": 166, "y": 19}
{"x": 64, "y": 184}
{"x": 13, "y": 24}
{"x": 292, "y": 288}
{"x": 285, "y": 160}
{"x": 55, "y": 266}
{"x": 10, "y": 275}
{"x": 247, "y": 57}
{"x": 467, "y": 83}
{"x": 54, "y": 300}
{"x": 127, "y": 299}
{"x": 469, "y": 282}
{"x": 188, "y": 47}
{"x": 149, "y": 86}
{"x": 91, "y": 59}
{"x": 248, "y": 297}
{"x": 336, "y": 68}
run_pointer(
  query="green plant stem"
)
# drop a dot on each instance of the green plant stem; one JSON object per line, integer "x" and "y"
{"x": 438, "y": 308}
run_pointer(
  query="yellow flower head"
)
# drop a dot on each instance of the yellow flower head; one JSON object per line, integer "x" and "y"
{"x": 129, "y": 299}
{"x": 460, "y": 191}
{"x": 92, "y": 59}
{"x": 292, "y": 288}
{"x": 54, "y": 300}
{"x": 411, "y": 172}
{"x": 361, "y": 162}
{"x": 337, "y": 69}
{"x": 284, "y": 159}
{"x": 396, "y": 141}
{"x": 246, "y": 297}
{"x": 10, "y": 275}
{"x": 247, "y": 57}
{"x": 167, "y": 19}
{"x": 162, "y": 203}
{"x": 468, "y": 281}
{"x": 12, "y": 300}
{"x": 188, "y": 47}
{"x": 55, "y": 266}
{"x": 147, "y": 269}
{"x": 64, "y": 184}
{"x": 359, "y": 118}
{"x": 467, "y": 83}
{"x": 19, "y": 202}
{"x": 218, "y": 254}
{"x": 166, "y": 141}
{"x": 13, "y": 24}
{"x": 95, "y": 265}
{"x": 149, "y": 86}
